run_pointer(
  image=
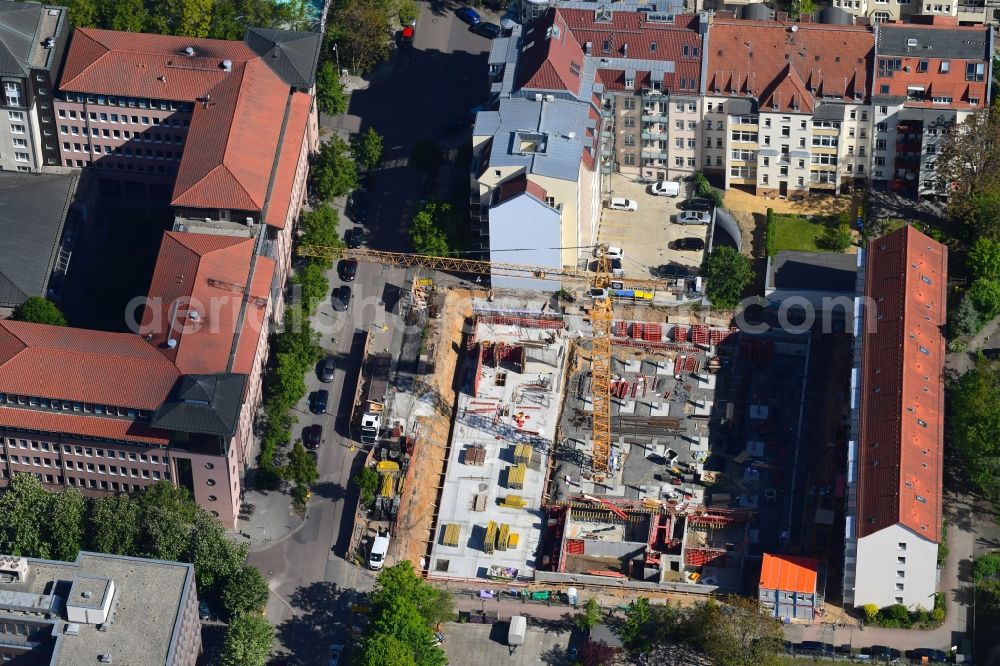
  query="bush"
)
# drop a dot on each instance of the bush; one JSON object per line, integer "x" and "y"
{"x": 987, "y": 566}
{"x": 870, "y": 612}
{"x": 835, "y": 238}
{"x": 705, "y": 190}
{"x": 770, "y": 233}
{"x": 985, "y": 296}
{"x": 964, "y": 319}
{"x": 367, "y": 482}
{"x": 727, "y": 274}
{"x": 39, "y": 310}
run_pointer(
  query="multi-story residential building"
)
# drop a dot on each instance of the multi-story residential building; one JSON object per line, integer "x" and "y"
{"x": 927, "y": 78}
{"x": 895, "y": 451}
{"x": 32, "y": 43}
{"x": 786, "y": 105}
{"x": 966, "y": 12}
{"x": 100, "y": 609}
{"x": 176, "y": 400}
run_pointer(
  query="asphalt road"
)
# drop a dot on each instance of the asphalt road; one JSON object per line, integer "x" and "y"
{"x": 313, "y": 588}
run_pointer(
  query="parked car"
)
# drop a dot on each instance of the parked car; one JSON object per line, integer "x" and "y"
{"x": 485, "y": 29}
{"x": 312, "y": 436}
{"x": 353, "y": 237}
{"x": 666, "y": 188}
{"x": 326, "y": 369}
{"x": 341, "y": 298}
{"x": 318, "y": 401}
{"x": 336, "y": 652}
{"x": 696, "y": 204}
{"x": 689, "y": 243}
{"x": 692, "y": 217}
{"x": 815, "y": 647}
{"x": 621, "y": 203}
{"x": 204, "y": 612}
{"x": 468, "y": 15}
{"x": 406, "y": 35}
{"x": 611, "y": 252}
{"x": 357, "y": 207}
{"x": 882, "y": 653}
{"x": 347, "y": 269}
{"x": 933, "y": 656}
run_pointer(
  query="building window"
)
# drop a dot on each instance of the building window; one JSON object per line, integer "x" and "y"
{"x": 629, "y": 139}
{"x": 629, "y": 159}
{"x": 945, "y": 66}
{"x": 22, "y": 157}
{"x": 900, "y": 574}
{"x": 899, "y": 587}
{"x": 901, "y": 560}
{"x": 628, "y": 121}
{"x": 13, "y": 93}
{"x": 628, "y": 103}
{"x": 975, "y": 71}
{"x": 17, "y": 129}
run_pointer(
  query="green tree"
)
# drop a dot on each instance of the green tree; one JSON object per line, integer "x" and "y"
{"x": 367, "y": 149}
{"x": 331, "y": 98}
{"x": 367, "y": 482}
{"x": 633, "y": 630}
{"x": 386, "y": 650}
{"x": 964, "y": 320}
{"x": 166, "y": 516}
{"x": 248, "y": 640}
{"x": 64, "y": 524}
{"x": 590, "y": 617}
{"x": 245, "y": 591}
{"x": 113, "y": 524}
{"x": 431, "y": 229}
{"x": 333, "y": 172}
{"x": 191, "y": 18}
{"x": 870, "y": 612}
{"x": 82, "y": 13}
{"x": 985, "y": 295}
{"x": 359, "y": 32}
{"x": 968, "y": 165}
{"x": 407, "y": 11}
{"x": 987, "y": 566}
{"x": 319, "y": 227}
{"x": 312, "y": 282}
{"x": 125, "y": 15}
{"x": 22, "y": 505}
{"x": 214, "y": 555}
{"x": 301, "y": 467}
{"x": 974, "y": 424}
{"x": 425, "y": 157}
{"x": 835, "y": 238}
{"x": 727, "y": 273}
{"x": 407, "y": 608}
{"x": 741, "y": 634}
{"x": 39, "y": 310}
{"x": 984, "y": 258}
{"x": 286, "y": 380}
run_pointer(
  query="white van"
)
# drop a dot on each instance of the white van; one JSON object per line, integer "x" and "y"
{"x": 666, "y": 188}
{"x": 379, "y": 548}
{"x": 621, "y": 203}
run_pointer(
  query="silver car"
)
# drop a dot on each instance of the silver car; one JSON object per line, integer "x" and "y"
{"x": 693, "y": 217}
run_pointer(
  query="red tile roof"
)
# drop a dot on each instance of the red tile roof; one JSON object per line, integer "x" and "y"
{"x": 518, "y": 185}
{"x": 754, "y": 58}
{"x": 632, "y": 35}
{"x": 86, "y": 425}
{"x": 550, "y": 58}
{"x": 107, "y": 62}
{"x": 288, "y": 160}
{"x": 205, "y": 274}
{"x": 789, "y": 573}
{"x": 235, "y": 141}
{"x": 902, "y": 391}
{"x": 118, "y": 369}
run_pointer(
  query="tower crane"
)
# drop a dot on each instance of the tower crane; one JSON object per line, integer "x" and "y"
{"x": 600, "y": 315}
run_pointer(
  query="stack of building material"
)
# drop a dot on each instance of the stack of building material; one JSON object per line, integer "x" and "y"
{"x": 522, "y": 454}
{"x": 475, "y": 455}
{"x": 503, "y": 537}
{"x": 491, "y": 538}
{"x": 515, "y": 476}
{"x": 452, "y": 533}
{"x": 514, "y": 502}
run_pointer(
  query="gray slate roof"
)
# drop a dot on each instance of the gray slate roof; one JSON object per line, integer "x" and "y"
{"x": 962, "y": 44}
{"x": 18, "y": 25}
{"x": 207, "y": 404}
{"x": 33, "y": 210}
{"x": 292, "y": 55}
{"x": 813, "y": 271}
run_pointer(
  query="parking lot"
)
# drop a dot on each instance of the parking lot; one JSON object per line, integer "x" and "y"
{"x": 647, "y": 235}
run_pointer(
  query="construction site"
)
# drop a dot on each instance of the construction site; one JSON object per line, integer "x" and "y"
{"x": 489, "y": 471}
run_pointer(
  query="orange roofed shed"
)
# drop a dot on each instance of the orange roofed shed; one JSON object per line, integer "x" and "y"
{"x": 789, "y": 573}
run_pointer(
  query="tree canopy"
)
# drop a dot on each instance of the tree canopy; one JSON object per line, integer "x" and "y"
{"x": 358, "y": 31}
{"x": 333, "y": 172}
{"x": 974, "y": 424}
{"x": 727, "y": 273}
{"x": 248, "y": 640}
{"x": 39, "y": 310}
{"x": 331, "y": 98}
{"x": 367, "y": 149}
{"x": 968, "y": 165}
{"x": 433, "y": 229}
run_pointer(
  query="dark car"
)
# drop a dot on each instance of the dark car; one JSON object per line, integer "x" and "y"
{"x": 689, "y": 244}
{"x": 312, "y": 436}
{"x": 326, "y": 369}
{"x": 487, "y": 30}
{"x": 318, "y": 400}
{"x": 882, "y": 653}
{"x": 348, "y": 269}
{"x": 407, "y": 34}
{"x": 341, "y": 298}
{"x": 933, "y": 656}
{"x": 814, "y": 647}
{"x": 703, "y": 205}
{"x": 353, "y": 237}
{"x": 204, "y": 611}
{"x": 468, "y": 15}
{"x": 357, "y": 207}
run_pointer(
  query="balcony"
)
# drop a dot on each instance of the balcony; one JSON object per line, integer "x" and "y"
{"x": 654, "y": 152}
{"x": 654, "y": 134}
{"x": 654, "y": 116}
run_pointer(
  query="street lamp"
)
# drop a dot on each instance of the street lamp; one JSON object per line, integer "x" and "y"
{"x": 336, "y": 54}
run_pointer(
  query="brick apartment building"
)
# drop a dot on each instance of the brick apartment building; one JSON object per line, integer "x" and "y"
{"x": 177, "y": 399}
{"x": 101, "y": 608}
{"x": 895, "y": 454}
{"x": 32, "y": 44}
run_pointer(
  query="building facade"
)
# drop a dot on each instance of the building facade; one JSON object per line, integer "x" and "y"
{"x": 99, "y": 609}
{"x": 895, "y": 453}
{"x": 33, "y": 40}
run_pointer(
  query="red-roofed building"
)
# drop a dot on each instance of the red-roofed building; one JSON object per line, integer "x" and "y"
{"x": 895, "y": 462}
{"x": 791, "y": 587}
{"x": 786, "y": 105}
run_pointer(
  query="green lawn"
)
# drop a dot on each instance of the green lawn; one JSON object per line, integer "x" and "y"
{"x": 796, "y": 233}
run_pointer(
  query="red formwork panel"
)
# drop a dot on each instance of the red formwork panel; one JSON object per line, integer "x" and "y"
{"x": 720, "y": 336}
{"x": 699, "y": 334}
{"x": 621, "y": 329}
{"x": 638, "y": 330}
{"x": 653, "y": 333}
{"x": 680, "y": 333}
